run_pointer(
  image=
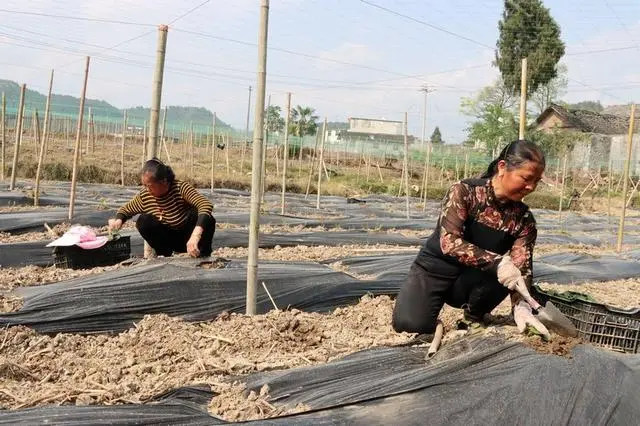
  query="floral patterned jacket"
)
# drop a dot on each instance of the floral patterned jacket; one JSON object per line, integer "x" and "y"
{"x": 476, "y": 230}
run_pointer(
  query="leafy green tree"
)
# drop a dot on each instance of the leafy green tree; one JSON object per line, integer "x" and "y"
{"x": 303, "y": 121}
{"x": 275, "y": 121}
{"x": 527, "y": 30}
{"x": 436, "y": 136}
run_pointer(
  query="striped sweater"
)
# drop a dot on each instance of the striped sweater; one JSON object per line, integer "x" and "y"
{"x": 172, "y": 208}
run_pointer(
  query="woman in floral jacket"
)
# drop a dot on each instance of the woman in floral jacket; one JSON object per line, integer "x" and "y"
{"x": 481, "y": 248}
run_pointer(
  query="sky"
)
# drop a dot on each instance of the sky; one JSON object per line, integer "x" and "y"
{"x": 344, "y": 58}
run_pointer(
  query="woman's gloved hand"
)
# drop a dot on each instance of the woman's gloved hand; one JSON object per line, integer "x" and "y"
{"x": 523, "y": 316}
{"x": 508, "y": 273}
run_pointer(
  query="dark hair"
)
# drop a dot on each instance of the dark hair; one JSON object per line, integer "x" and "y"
{"x": 159, "y": 171}
{"x": 515, "y": 155}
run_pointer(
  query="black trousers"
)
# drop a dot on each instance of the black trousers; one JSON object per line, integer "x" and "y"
{"x": 165, "y": 240}
{"x": 424, "y": 294}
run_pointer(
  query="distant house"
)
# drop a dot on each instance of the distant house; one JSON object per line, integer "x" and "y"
{"x": 607, "y": 137}
{"x": 373, "y": 135}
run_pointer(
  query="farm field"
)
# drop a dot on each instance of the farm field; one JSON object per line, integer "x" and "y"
{"x": 170, "y": 336}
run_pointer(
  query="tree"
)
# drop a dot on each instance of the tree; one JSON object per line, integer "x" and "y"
{"x": 303, "y": 121}
{"x": 527, "y": 30}
{"x": 436, "y": 136}
{"x": 494, "y": 119}
{"x": 275, "y": 122}
{"x": 593, "y": 106}
{"x": 552, "y": 91}
{"x": 495, "y": 126}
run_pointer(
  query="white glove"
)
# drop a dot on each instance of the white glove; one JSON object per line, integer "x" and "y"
{"x": 508, "y": 273}
{"x": 523, "y": 316}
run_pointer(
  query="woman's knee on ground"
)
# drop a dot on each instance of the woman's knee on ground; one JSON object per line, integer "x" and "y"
{"x": 413, "y": 324}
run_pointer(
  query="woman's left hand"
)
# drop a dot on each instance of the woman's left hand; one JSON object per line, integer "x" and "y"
{"x": 192, "y": 245}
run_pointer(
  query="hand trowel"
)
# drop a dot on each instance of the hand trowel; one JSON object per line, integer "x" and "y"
{"x": 549, "y": 315}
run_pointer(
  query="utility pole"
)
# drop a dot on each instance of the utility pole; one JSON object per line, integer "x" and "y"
{"x": 256, "y": 172}
{"x": 156, "y": 97}
{"x": 425, "y": 89}
{"x": 246, "y": 137}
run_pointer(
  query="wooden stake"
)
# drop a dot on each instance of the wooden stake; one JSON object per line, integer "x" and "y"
{"x": 321, "y": 161}
{"x": 227, "y": 147}
{"x": 124, "y": 138}
{"x": 76, "y": 152}
{"x": 40, "y": 140}
{"x": 406, "y": 163}
{"x": 144, "y": 144}
{"x": 286, "y": 152}
{"x": 16, "y": 148}
{"x": 627, "y": 165}
{"x": 427, "y": 166}
{"x": 47, "y": 120}
{"x": 564, "y": 177}
{"x": 213, "y": 150}
{"x": 3, "y": 135}
{"x": 523, "y": 99}
{"x": 609, "y": 179}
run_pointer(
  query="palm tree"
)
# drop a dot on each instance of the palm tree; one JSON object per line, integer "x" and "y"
{"x": 303, "y": 123}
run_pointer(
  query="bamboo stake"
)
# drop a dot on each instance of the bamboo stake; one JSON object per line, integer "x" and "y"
{"x": 36, "y": 191}
{"x": 47, "y": 119}
{"x": 3, "y": 122}
{"x": 321, "y": 160}
{"x": 609, "y": 179}
{"x": 564, "y": 177}
{"x": 285, "y": 155}
{"x": 213, "y": 150}
{"x": 627, "y": 165}
{"x": 124, "y": 137}
{"x": 406, "y": 162}
{"x": 76, "y": 152}
{"x": 16, "y": 148}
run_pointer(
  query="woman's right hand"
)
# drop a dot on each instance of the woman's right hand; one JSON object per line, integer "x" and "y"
{"x": 508, "y": 274}
{"x": 115, "y": 224}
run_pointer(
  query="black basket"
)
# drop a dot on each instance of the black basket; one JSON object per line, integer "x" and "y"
{"x": 601, "y": 325}
{"x": 74, "y": 257}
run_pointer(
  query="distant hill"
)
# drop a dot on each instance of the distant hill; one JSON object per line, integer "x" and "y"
{"x": 620, "y": 110}
{"x": 178, "y": 116}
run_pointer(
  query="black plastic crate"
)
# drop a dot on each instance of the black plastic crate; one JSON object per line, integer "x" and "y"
{"x": 598, "y": 324}
{"x": 74, "y": 257}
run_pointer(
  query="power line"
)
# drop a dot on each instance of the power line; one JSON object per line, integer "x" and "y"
{"x": 77, "y": 18}
{"x": 434, "y": 27}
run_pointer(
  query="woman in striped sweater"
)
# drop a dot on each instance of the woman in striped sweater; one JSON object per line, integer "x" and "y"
{"x": 174, "y": 216}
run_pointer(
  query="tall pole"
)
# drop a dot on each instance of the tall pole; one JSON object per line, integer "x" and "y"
{"x": 523, "y": 99}
{"x": 3, "y": 135}
{"x": 625, "y": 178}
{"x": 156, "y": 97}
{"x": 286, "y": 152}
{"x": 263, "y": 178}
{"x": 16, "y": 148}
{"x": 124, "y": 137}
{"x": 254, "y": 221}
{"x": 321, "y": 160}
{"x": 47, "y": 119}
{"x": 246, "y": 138}
{"x": 406, "y": 162}
{"x": 213, "y": 149}
{"x": 40, "y": 140}
{"x": 76, "y": 152}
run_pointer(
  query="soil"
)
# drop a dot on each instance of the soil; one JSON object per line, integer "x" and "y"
{"x": 315, "y": 253}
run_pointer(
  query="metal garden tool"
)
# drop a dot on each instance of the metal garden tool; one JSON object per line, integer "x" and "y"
{"x": 549, "y": 315}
